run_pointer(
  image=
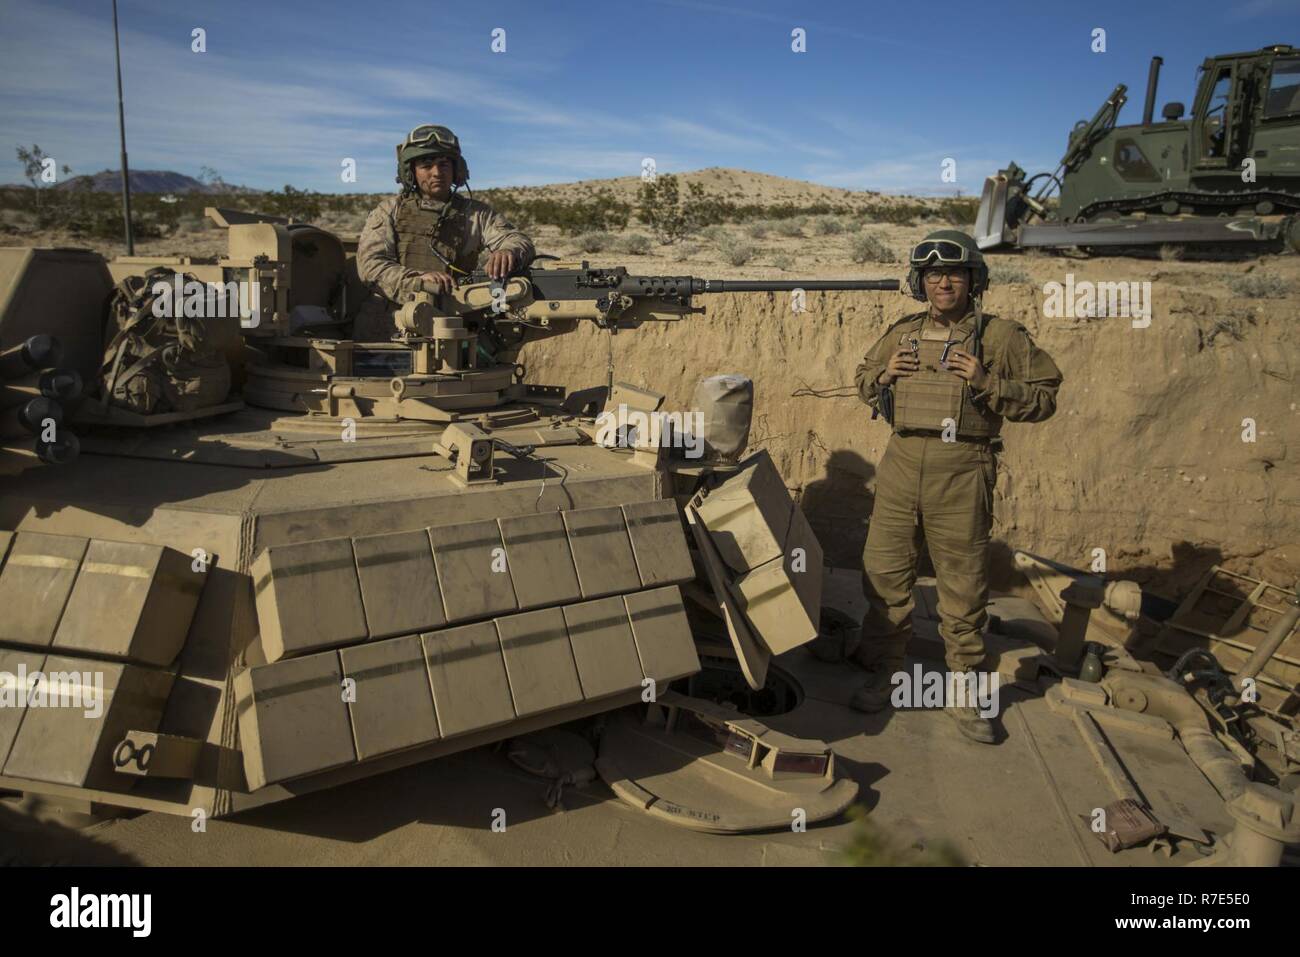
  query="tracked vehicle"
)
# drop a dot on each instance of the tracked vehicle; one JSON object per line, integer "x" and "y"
{"x": 1226, "y": 176}
{"x": 363, "y": 555}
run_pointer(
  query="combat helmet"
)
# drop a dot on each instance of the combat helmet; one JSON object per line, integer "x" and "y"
{"x": 947, "y": 247}
{"x": 429, "y": 140}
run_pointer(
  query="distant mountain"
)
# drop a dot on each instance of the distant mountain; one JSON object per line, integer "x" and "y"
{"x": 147, "y": 181}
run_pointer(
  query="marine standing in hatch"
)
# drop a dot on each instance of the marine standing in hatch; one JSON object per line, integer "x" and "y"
{"x": 429, "y": 236}
{"x": 945, "y": 379}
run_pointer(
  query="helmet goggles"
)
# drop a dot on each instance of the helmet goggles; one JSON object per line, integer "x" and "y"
{"x": 437, "y": 138}
{"x": 941, "y": 251}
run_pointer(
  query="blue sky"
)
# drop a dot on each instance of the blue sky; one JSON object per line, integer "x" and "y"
{"x": 885, "y": 92}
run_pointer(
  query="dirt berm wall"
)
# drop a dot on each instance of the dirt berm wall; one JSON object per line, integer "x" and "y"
{"x": 1145, "y": 457}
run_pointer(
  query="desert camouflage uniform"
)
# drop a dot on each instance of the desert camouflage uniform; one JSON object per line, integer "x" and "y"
{"x": 393, "y": 251}
{"x": 949, "y": 486}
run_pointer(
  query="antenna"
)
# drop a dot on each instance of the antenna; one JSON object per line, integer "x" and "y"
{"x": 121, "y": 129}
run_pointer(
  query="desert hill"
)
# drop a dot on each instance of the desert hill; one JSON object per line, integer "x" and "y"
{"x": 740, "y": 186}
{"x": 147, "y": 181}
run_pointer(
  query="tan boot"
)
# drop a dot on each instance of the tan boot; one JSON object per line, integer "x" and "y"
{"x": 971, "y": 724}
{"x": 875, "y": 695}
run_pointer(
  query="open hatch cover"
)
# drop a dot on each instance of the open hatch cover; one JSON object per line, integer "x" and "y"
{"x": 705, "y": 767}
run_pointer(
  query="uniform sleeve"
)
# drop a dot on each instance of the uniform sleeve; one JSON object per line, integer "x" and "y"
{"x": 1024, "y": 383}
{"x": 498, "y": 233}
{"x": 872, "y": 364}
{"x": 377, "y": 262}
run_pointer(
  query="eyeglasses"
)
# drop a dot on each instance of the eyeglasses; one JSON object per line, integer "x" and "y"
{"x": 934, "y": 276}
{"x": 942, "y": 250}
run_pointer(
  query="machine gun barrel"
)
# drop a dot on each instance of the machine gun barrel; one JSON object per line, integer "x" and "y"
{"x": 789, "y": 285}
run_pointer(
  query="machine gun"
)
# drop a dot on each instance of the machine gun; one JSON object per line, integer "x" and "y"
{"x": 541, "y": 302}
{"x": 458, "y": 350}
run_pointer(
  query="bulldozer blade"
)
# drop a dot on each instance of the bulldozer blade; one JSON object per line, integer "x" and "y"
{"x": 990, "y": 222}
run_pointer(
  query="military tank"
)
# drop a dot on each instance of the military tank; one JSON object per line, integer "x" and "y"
{"x": 347, "y": 556}
{"x": 1223, "y": 178}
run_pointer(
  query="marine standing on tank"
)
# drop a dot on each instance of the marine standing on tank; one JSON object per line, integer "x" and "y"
{"x": 429, "y": 236}
{"x": 945, "y": 379}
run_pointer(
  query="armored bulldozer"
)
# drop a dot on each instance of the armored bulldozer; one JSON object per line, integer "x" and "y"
{"x": 352, "y": 556}
{"x": 1227, "y": 176}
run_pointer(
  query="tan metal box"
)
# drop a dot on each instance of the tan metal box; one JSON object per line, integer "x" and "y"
{"x": 292, "y": 719}
{"x": 748, "y": 516}
{"x": 308, "y": 598}
{"x": 662, "y": 634}
{"x": 393, "y": 705}
{"x": 131, "y": 601}
{"x": 73, "y": 742}
{"x": 399, "y": 586}
{"x": 539, "y": 661}
{"x": 602, "y": 551}
{"x": 468, "y": 675}
{"x": 782, "y": 599}
{"x": 603, "y": 647}
{"x": 34, "y": 586}
{"x": 472, "y": 570}
{"x": 658, "y": 543}
{"x": 541, "y": 563}
{"x": 17, "y": 670}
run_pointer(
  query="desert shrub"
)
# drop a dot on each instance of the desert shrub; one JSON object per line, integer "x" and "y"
{"x": 866, "y": 248}
{"x": 871, "y": 845}
{"x": 715, "y": 234}
{"x": 783, "y": 262}
{"x": 687, "y": 252}
{"x": 1005, "y": 275}
{"x": 959, "y": 211}
{"x": 302, "y": 205}
{"x": 792, "y": 227}
{"x": 672, "y": 217}
{"x": 636, "y": 244}
{"x": 827, "y": 226}
{"x": 595, "y": 242}
{"x": 757, "y": 229}
{"x": 599, "y": 212}
{"x": 1259, "y": 287}
{"x": 900, "y": 214}
{"x": 736, "y": 251}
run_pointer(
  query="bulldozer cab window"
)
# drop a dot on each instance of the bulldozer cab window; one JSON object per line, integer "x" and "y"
{"x": 1216, "y": 114}
{"x": 1131, "y": 164}
{"x": 1283, "y": 88}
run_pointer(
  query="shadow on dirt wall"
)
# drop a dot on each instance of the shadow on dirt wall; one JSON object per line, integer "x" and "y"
{"x": 838, "y": 506}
